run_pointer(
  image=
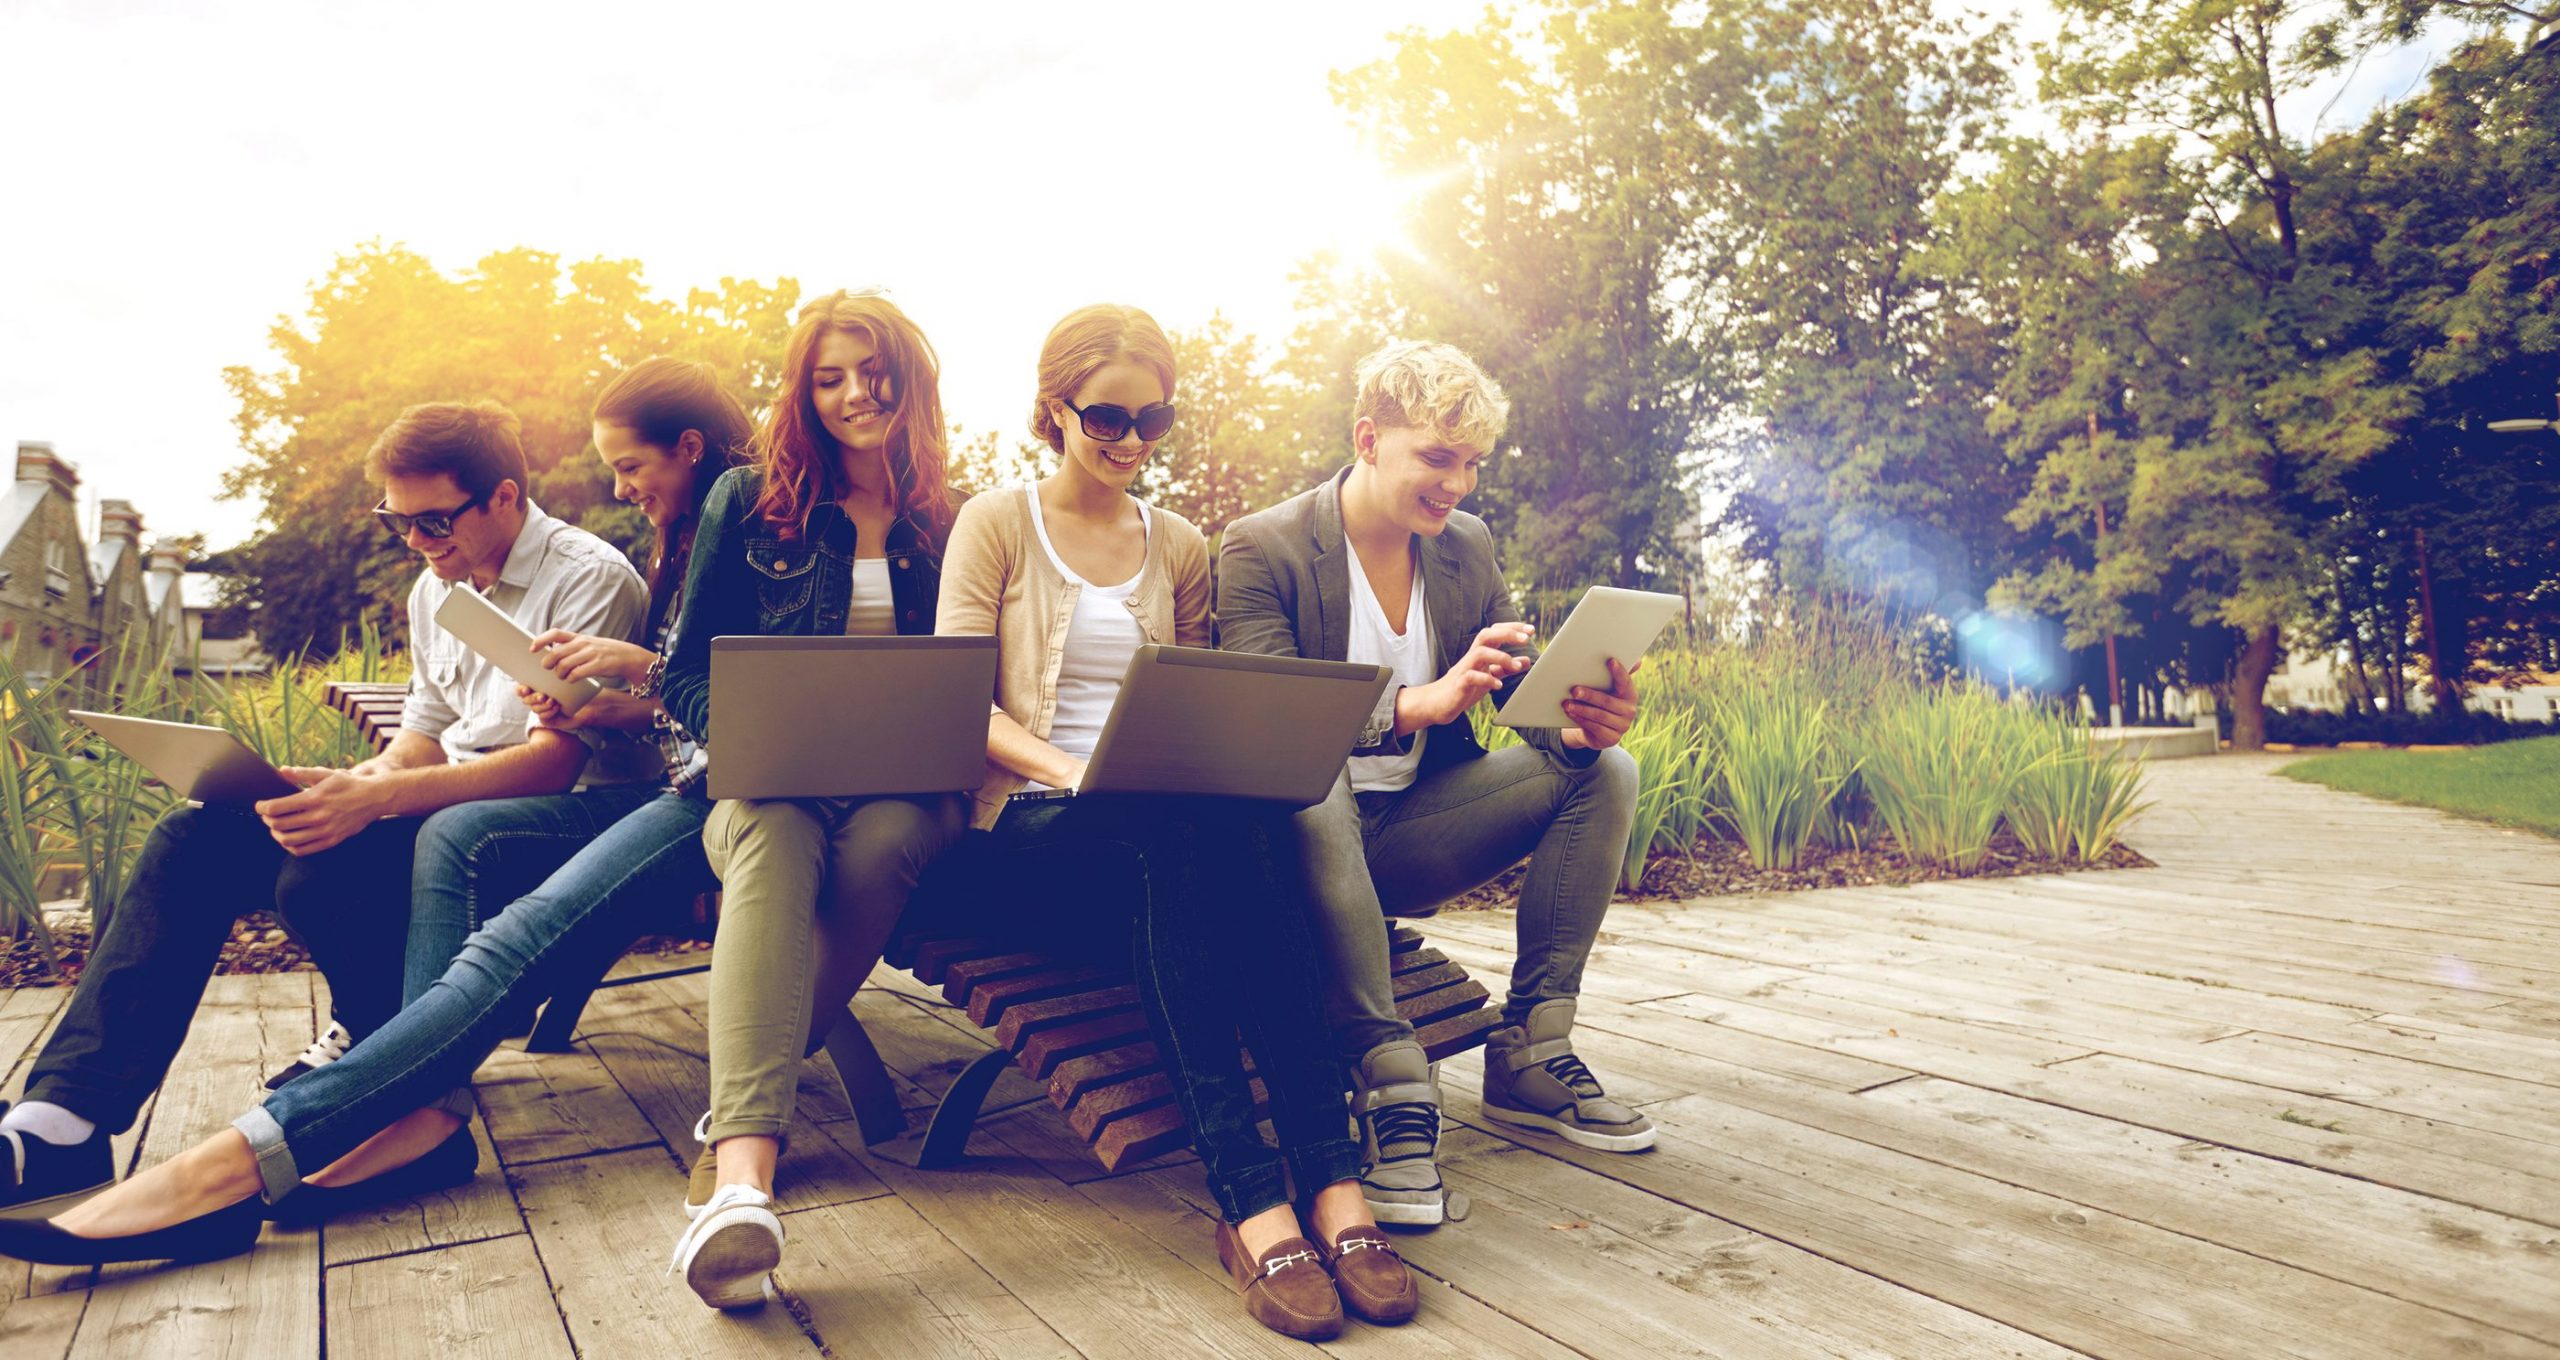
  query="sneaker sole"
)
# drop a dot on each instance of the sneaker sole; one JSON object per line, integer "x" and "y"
{"x": 729, "y": 1267}
{"x": 1581, "y": 1137}
{"x": 1406, "y": 1213}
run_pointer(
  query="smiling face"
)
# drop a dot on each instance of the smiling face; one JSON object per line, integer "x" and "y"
{"x": 658, "y": 481}
{"x": 852, "y": 391}
{"x": 1418, "y": 476}
{"x": 481, "y": 536}
{"x": 1132, "y": 387}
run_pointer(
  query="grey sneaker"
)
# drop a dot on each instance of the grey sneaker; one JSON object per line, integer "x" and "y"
{"x": 1399, "y": 1109}
{"x": 1532, "y": 1080}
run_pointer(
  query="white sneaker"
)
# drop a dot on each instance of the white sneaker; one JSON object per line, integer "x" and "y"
{"x": 331, "y": 1045}
{"x": 729, "y": 1251}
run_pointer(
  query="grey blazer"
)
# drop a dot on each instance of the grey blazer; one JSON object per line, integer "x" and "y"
{"x": 1284, "y": 589}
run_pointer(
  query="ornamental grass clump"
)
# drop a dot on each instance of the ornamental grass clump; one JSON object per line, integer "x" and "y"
{"x": 2072, "y": 799}
{"x": 1939, "y": 767}
{"x": 1669, "y": 748}
{"x": 1777, "y": 768}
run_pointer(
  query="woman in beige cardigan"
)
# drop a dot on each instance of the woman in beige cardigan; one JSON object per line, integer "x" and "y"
{"x": 1072, "y": 575}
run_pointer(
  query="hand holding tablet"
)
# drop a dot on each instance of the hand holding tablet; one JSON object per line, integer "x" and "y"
{"x": 484, "y": 628}
{"x": 1609, "y": 625}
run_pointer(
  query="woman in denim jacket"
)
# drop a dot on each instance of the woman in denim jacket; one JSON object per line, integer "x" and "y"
{"x": 837, "y": 529}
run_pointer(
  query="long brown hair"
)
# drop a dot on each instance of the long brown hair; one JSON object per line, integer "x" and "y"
{"x": 799, "y": 458}
{"x": 658, "y": 400}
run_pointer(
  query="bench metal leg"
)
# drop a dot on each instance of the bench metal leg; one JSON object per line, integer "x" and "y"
{"x": 865, "y": 1078}
{"x": 946, "y": 1139}
{"x": 559, "y": 1019}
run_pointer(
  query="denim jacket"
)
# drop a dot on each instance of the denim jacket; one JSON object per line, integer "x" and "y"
{"x": 743, "y": 578}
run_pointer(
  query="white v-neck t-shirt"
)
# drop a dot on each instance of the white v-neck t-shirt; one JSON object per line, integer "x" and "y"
{"x": 874, "y": 609}
{"x": 1374, "y": 643}
{"x": 1101, "y": 638}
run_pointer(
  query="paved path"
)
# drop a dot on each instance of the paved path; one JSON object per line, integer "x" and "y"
{"x": 2296, "y": 1092}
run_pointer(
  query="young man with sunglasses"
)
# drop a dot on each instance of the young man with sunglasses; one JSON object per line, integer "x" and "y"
{"x": 1379, "y": 565}
{"x": 335, "y": 858}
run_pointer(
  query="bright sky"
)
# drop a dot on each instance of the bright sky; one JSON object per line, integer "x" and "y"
{"x": 174, "y": 175}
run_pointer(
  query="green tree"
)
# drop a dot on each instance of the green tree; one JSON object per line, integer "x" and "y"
{"x": 386, "y": 329}
{"x": 1564, "y": 174}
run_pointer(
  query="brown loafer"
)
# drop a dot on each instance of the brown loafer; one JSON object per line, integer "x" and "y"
{"x": 1287, "y": 1290}
{"x": 1375, "y": 1283}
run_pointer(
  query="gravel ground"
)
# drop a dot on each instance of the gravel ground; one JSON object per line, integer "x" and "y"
{"x": 1713, "y": 868}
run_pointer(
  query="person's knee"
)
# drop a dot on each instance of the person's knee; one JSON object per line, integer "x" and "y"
{"x": 1613, "y": 778}
{"x": 742, "y": 828}
{"x": 451, "y": 839}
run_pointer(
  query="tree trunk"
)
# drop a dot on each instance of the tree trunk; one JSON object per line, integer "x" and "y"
{"x": 2249, "y": 690}
{"x": 2360, "y": 700}
{"x": 2445, "y": 680}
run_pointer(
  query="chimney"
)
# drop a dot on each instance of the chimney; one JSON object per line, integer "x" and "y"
{"x": 37, "y": 462}
{"x": 168, "y": 555}
{"x": 118, "y": 520}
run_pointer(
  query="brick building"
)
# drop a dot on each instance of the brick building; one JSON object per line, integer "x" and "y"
{"x": 63, "y": 600}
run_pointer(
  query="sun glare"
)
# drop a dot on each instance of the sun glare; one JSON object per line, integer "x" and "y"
{"x": 1373, "y": 215}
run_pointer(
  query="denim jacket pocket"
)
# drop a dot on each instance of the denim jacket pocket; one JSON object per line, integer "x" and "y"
{"x": 786, "y": 578}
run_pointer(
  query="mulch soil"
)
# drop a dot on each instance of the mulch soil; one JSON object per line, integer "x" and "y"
{"x": 1713, "y": 868}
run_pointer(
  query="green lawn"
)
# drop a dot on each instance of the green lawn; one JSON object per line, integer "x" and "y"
{"x": 2514, "y": 783}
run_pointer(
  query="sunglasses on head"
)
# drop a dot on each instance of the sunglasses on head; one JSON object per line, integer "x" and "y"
{"x": 432, "y": 523}
{"x": 1106, "y": 424}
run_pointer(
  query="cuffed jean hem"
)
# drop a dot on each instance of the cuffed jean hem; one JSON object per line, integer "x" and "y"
{"x": 276, "y": 1172}
{"x": 745, "y": 1128}
{"x": 1248, "y": 1192}
{"x": 1317, "y": 1165}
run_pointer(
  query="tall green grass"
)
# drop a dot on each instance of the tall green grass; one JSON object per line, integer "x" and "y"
{"x": 71, "y": 803}
{"x": 2071, "y": 800}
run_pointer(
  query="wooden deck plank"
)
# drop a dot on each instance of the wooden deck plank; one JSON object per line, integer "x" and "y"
{"x": 477, "y": 1210}
{"x": 541, "y": 1107}
{"x": 603, "y": 1226}
{"x": 484, "y": 1300}
{"x": 875, "y": 1278}
{"x": 266, "y": 1302}
{"x": 1104, "y": 1286}
{"x": 2074, "y": 1276}
{"x": 1639, "y": 1274}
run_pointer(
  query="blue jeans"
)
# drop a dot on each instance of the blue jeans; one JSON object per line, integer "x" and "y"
{"x": 475, "y": 858}
{"x": 595, "y": 903}
{"x": 1204, "y": 898}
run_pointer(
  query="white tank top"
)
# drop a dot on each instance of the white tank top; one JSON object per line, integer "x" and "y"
{"x": 874, "y": 612}
{"x": 1101, "y": 637}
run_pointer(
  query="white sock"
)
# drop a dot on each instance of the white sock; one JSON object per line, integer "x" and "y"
{"x": 47, "y": 1121}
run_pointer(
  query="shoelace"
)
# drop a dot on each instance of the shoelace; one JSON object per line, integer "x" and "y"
{"x": 1409, "y": 1122}
{"x": 332, "y": 1045}
{"x": 1577, "y": 1078}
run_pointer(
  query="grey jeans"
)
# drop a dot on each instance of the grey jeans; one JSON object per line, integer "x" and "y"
{"x": 1375, "y": 855}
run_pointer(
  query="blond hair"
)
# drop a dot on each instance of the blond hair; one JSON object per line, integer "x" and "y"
{"x": 1423, "y": 385}
{"x": 1083, "y": 343}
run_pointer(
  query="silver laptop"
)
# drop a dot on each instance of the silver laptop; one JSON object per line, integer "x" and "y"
{"x": 204, "y": 764}
{"x": 1230, "y": 725}
{"x": 818, "y": 717}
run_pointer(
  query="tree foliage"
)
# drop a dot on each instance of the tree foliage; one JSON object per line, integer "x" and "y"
{"x": 386, "y": 329}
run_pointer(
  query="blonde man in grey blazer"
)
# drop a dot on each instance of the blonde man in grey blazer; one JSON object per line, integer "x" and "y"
{"x": 1378, "y": 565}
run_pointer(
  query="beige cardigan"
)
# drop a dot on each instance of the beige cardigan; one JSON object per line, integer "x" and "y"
{"x": 997, "y": 579}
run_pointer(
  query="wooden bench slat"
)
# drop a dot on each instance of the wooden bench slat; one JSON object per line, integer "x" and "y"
{"x": 1030, "y": 1017}
{"x": 1041, "y": 1053}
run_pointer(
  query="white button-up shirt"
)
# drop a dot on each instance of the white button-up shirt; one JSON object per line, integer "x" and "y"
{"x": 556, "y": 576}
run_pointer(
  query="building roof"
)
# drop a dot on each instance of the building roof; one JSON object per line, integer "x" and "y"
{"x": 102, "y": 563}
{"x": 200, "y": 590}
{"x": 18, "y": 505}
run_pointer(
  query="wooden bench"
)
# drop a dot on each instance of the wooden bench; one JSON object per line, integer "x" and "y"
{"x": 1075, "y": 1026}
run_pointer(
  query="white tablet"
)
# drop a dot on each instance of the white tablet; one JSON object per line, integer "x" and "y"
{"x": 204, "y": 764}
{"x": 1609, "y": 622}
{"x": 486, "y": 629}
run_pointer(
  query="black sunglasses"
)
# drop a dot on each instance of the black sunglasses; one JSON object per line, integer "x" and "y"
{"x": 1106, "y": 423}
{"x": 432, "y": 523}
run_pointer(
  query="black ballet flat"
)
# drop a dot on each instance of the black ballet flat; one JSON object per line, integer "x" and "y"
{"x": 227, "y": 1231}
{"x": 448, "y": 1164}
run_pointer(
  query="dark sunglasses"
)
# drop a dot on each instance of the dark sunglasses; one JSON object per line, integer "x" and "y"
{"x": 1105, "y": 423}
{"x": 432, "y": 523}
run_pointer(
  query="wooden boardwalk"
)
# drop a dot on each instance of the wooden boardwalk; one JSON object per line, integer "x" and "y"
{"x": 2294, "y": 1093}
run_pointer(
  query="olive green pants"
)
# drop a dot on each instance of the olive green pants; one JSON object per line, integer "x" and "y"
{"x": 810, "y": 889}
